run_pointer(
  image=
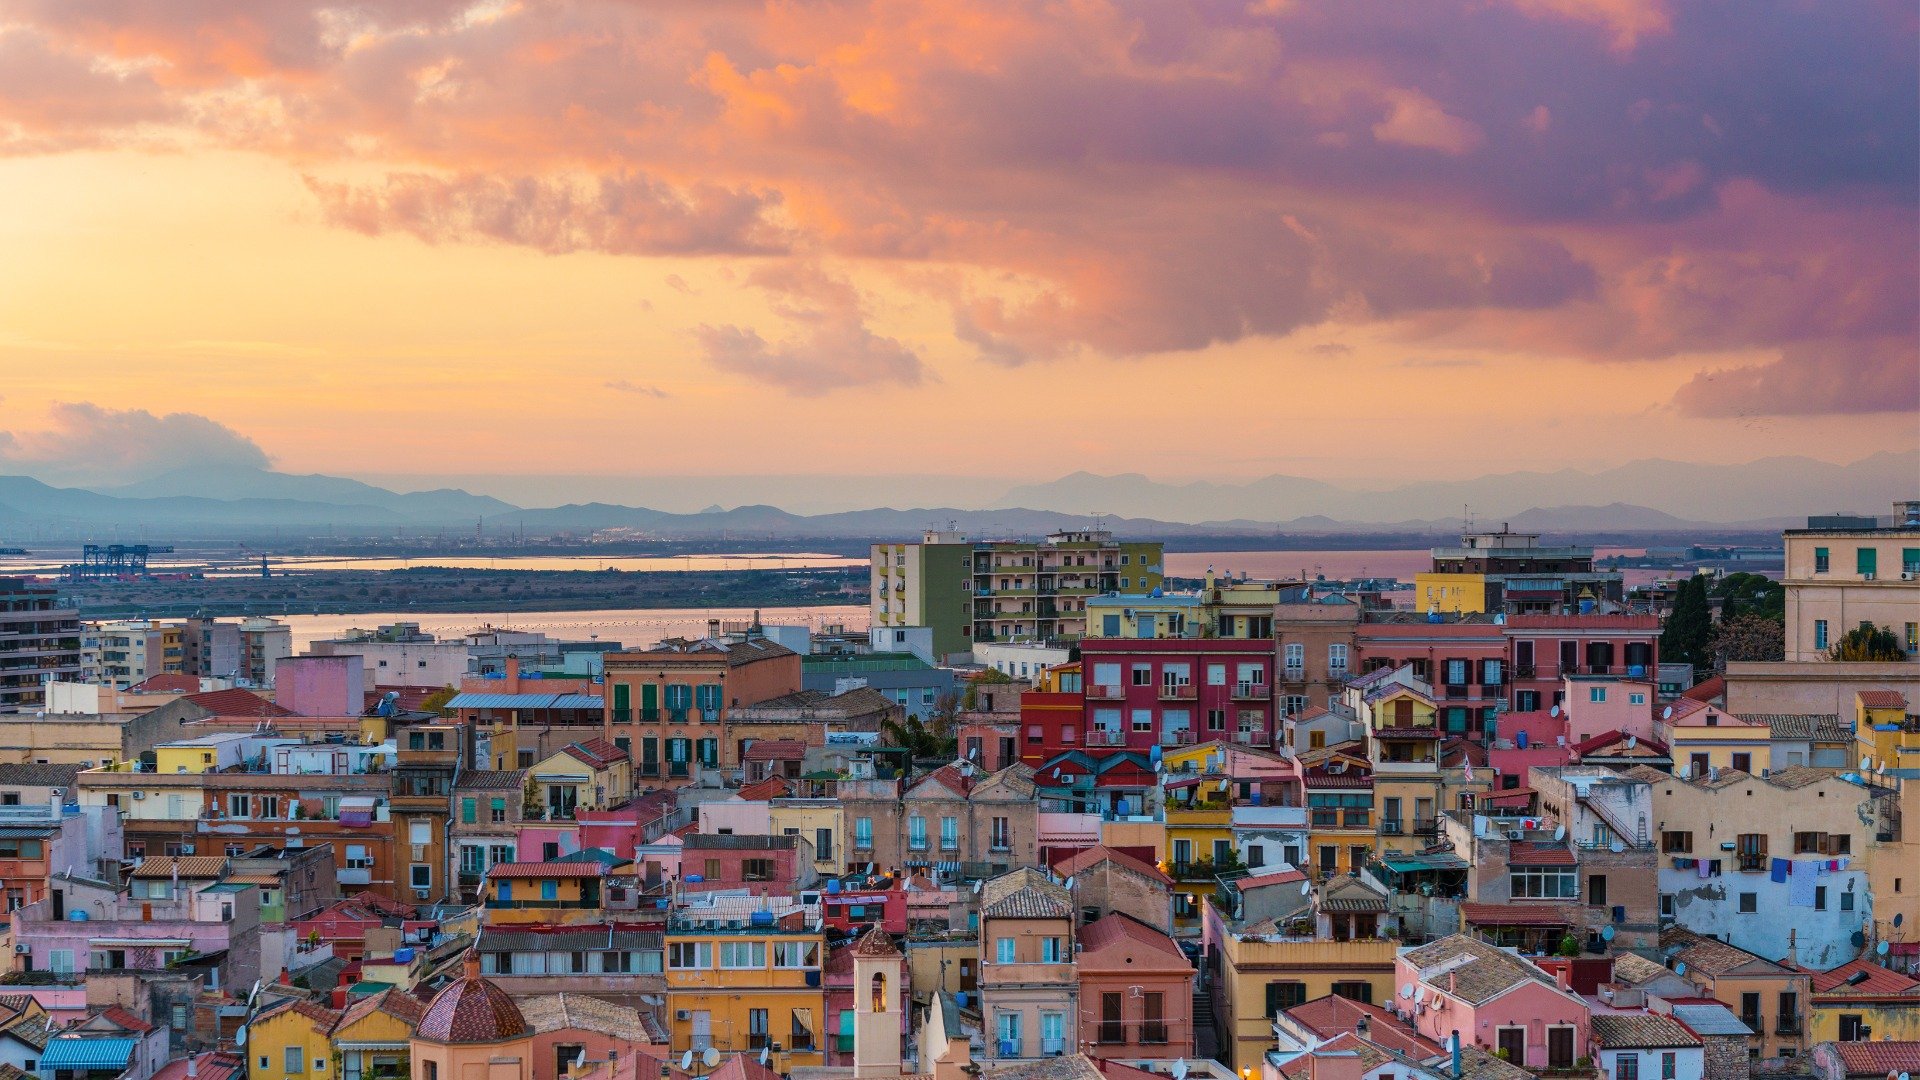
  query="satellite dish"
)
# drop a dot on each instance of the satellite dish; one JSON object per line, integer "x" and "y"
{"x": 1666, "y": 713}
{"x": 1554, "y": 712}
{"x": 1306, "y": 888}
{"x": 1067, "y": 884}
{"x": 240, "y": 1036}
{"x": 1559, "y": 833}
{"x": 1898, "y": 918}
{"x": 1419, "y": 994}
{"x": 1616, "y": 847}
{"x": 1606, "y": 933}
{"x": 1224, "y": 784}
{"x": 1680, "y": 968}
{"x": 1406, "y": 990}
{"x": 1881, "y": 948}
{"x": 686, "y": 1061}
{"x": 1859, "y": 939}
{"x": 710, "y": 1057}
{"x": 1866, "y": 762}
{"x": 973, "y": 754}
{"x": 1632, "y": 741}
{"x": 765, "y": 1052}
{"x": 1180, "y": 1070}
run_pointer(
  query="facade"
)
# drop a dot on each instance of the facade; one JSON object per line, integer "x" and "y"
{"x": 1632, "y": 1045}
{"x": 1499, "y": 1000}
{"x": 926, "y": 584}
{"x": 211, "y": 648}
{"x": 1512, "y": 572}
{"x": 1837, "y": 579}
{"x": 1251, "y": 975}
{"x": 1316, "y": 645}
{"x": 956, "y": 815}
{"x": 1771, "y": 999}
{"x": 744, "y": 974}
{"x": 1038, "y": 590}
{"x": 263, "y": 643}
{"x": 1136, "y": 991}
{"x": 45, "y": 635}
{"x": 673, "y": 702}
{"x": 1172, "y": 693}
{"x": 126, "y": 652}
{"x": 1029, "y": 990}
{"x": 917, "y": 688}
{"x": 1543, "y": 651}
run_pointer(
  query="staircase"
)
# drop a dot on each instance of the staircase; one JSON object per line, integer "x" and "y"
{"x": 1205, "y": 1038}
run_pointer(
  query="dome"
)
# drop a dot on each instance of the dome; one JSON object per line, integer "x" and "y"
{"x": 472, "y": 1010}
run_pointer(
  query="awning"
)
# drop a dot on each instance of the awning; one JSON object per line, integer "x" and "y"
{"x": 504, "y": 701}
{"x": 1413, "y": 864}
{"x": 578, "y": 701}
{"x": 354, "y": 1044}
{"x": 86, "y": 1053}
{"x": 141, "y": 942}
{"x": 356, "y": 811}
{"x": 1511, "y": 915}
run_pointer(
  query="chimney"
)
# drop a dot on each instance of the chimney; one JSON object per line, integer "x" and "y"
{"x": 1793, "y": 950}
{"x": 1563, "y": 974}
{"x": 471, "y": 965}
{"x": 193, "y": 1067}
{"x": 1361, "y": 1027}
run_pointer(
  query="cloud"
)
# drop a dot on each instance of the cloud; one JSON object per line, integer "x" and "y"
{"x": 1811, "y": 380}
{"x": 638, "y": 389}
{"x": 90, "y": 444}
{"x": 832, "y": 349}
{"x": 1600, "y": 180}
{"x": 1440, "y": 362}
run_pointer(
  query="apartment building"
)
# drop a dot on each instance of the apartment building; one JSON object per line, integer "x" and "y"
{"x": 672, "y": 703}
{"x": 926, "y": 584}
{"x": 1506, "y": 571}
{"x": 39, "y": 641}
{"x": 1840, "y": 578}
{"x": 1039, "y": 590}
{"x": 1170, "y": 692}
{"x": 744, "y": 975}
{"x": 125, "y": 652}
{"x": 1029, "y": 987}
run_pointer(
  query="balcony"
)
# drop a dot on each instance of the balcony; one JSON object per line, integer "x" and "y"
{"x": 1252, "y": 738}
{"x": 1153, "y": 1031}
{"x": 1110, "y": 1032}
{"x": 1097, "y": 737}
{"x": 1178, "y": 692}
{"x": 1390, "y": 828}
{"x": 1457, "y": 693}
{"x": 623, "y": 716}
{"x": 1177, "y": 737}
{"x": 1096, "y": 692}
{"x": 1293, "y": 674}
{"x": 1785, "y": 1025}
{"x": 1426, "y": 826}
{"x": 1523, "y": 671}
{"x": 1252, "y": 691}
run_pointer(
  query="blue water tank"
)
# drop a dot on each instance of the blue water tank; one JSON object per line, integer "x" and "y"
{"x": 1521, "y": 739}
{"x": 1637, "y": 671}
{"x": 761, "y": 918}
{"x": 1586, "y": 607}
{"x": 76, "y": 915}
{"x": 694, "y": 879}
{"x": 960, "y": 998}
{"x": 403, "y": 956}
{"x": 833, "y": 886}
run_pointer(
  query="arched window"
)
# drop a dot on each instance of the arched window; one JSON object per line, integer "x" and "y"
{"x": 879, "y": 991}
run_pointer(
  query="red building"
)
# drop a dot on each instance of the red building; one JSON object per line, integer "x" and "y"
{"x": 1543, "y": 648}
{"x": 1141, "y": 693}
{"x": 1463, "y": 657}
{"x": 847, "y": 908}
{"x": 762, "y": 865}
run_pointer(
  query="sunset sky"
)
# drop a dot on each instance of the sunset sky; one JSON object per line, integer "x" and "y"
{"x": 1343, "y": 240}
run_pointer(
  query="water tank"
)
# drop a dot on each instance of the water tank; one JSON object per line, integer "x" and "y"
{"x": 1521, "y": 739}
{"x": 1637, "y": 671}
{"x": 833, "y": 886}
{"x": 76, "y": 915}
{"x": 1586, "y": 607}
{"x": 694, "y": 879}
{"x": 761, "y": 918}
{"x": 403, "y": 956}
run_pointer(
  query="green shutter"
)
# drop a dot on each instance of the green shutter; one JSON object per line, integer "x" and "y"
{"x": 1866, "y": 560}
{"x": 620, "y": 699}
{"x": 1910, "y": 559}
{"x": 649, "y": 701}
{"x": 467, "y": 811}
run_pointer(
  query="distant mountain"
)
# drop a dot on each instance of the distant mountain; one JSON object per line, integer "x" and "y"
{"x": 1769, "y": 489}
{"x": 440, "y": 506}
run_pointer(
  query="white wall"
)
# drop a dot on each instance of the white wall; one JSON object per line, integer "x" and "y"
{"x": 1690, "y": 1063}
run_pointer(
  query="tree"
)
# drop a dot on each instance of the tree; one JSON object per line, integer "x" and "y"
{"x": 1743, "y": 592}
{"x": 990, "y": 676}
{"x": 1867, "y": 642}
{"x": 1748, "y": 636}
{"x": 1685, "y": 638}
{"x": 436, "y": 702}
{"x": 923, "y": 742}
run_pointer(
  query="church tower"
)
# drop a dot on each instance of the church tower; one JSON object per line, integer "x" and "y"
{"x": 878, "y": 998}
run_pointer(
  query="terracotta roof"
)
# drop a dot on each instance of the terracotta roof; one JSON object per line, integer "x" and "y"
{"x": 1476, "y": 972}
{"x": 1794, "y": 777}
{"x": 1825, "y": 727}
{"x": 126, "y": 1020}
{"x": 775, "y": 750}
{"x": 1333, "y": 1014}
{"x": 396, "y": 1003}
{"x": 1116, "y": 928}
{"x": 1879, "y": 1058}
{"x": 1025, "y": 893}
{"x": 1709, "y": 956}
{"x": 947, "y": 776}
{"x": 472, "y": 1010}
{"x": 1712, "y": 689}
{"x": 1527, "y": 853}
{"x": 492, "y": 780}
{"x": 546, "y": 1013}
{"x": 1632, "y": 969}
{"x": 1477, "y": 1064}
{"x": 1616, "y": 737}
{"x": 596, "y": 752}
{"x": 1879, "y": 980}
{"x": 196, "y": 867}
{"x": 166, "y": 683}
{"x": 773, "y": 787}
{"x": 1512, "y": 915}
{"x": 1066, "y": 1067}
{"x": 236, "y": 703}
{"x": 546, "y": 870}
{"x": 1882, "y": 699}
{"x": 1642, "y": 1031}
{"x": 1348, "y": 894}
{"x": 1087, "y": 858}
{"x": 206, "y": 1066}
{"x": 876, "y": 942}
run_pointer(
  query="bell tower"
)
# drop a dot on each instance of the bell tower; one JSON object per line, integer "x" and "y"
{"x": 878, "y": 999}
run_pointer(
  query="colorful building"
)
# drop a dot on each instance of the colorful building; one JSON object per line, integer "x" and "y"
{"x": 671, "y": 702}
{"x": 1038, "y": 591}
{"x": 1171, "y": 693}
{"x": 1499, "y": 1001}
{"x": 1029, "y": 991}
{"x": 1136, "y": 991}
{"x": 744, "y": 974}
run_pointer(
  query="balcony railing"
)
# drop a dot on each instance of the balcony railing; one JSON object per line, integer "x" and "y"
{"x": 1390, "y": 828}
{"x": 623, "y": 716}
{"x": 1457, "y": 693}
{"x": 1425, "y": 826}
{"x": 1110, "y": 1031}
{"x": 1097, "y": 737}
{"x": 1178, "y": 737}
{"x": 1177, "y": 691}
{"x": 1523, "y": 671}
{"x": 1293, "y": 674}
{"x": 1786, "y": 1025}
{"x": 1097, "y": 692}
{"x": 1252, "y": 691}
{"x": 1252, "y": 738}
{"x": 1153, "y": 1031}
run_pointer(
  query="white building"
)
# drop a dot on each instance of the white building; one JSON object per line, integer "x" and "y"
{"x": 1646, "y": 1046}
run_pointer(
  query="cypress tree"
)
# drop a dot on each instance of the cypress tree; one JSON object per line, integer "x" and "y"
{"x": 1689, "y": 627}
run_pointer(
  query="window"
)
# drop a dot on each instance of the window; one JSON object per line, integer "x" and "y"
{"x": 1216, "y": 719}
{"x": 756, "y": 1028}
{"x": 1852, "y": 1027}
{"x": 863, "y": 834}
{"x": 743, "y": 954}
{"x": 1749, "y": 903}
{"x": 1295, "y": 658}
{"x": 237, "y": 806}
{"x": 1545, "y": 883}
{"x": 691, "y": 955}
{"x": 1636, "y": 699}
{"x": 1752, "y": 848}
{"x": 1143, "y": 719}
{"x": 1050, "y": 950}
{"x": 498, "y": 810}
{"x": 796, "y": 954}
{"x": 1819, "y": 633}
{"x": 1822, "y": 560}
{"x": 1819, "y": 898}
{"x": 1671, "y": 842}
{"x": 1626, "y": 1065}
{"x": 917, "y": 833}
{"x": 1003, "y": 950}
{"x": 1285, "y": 995}
{"x": 1866, "y": 561}
{"x": 1337, "y": 661}
{"x": 1669, "y": 1065}
{"x": 1597, "y": 694}
{"x": 1846, "y": 901}
{"x": 1597, "y": 890}
{"x": 421, "y": 876}
{"x": 1002, "y": 834}
{"x": 1143, "y": 674}
{"x": 295, "y": 1060}
{"x": 757, "y": 870}
{"x": 469, "y": 811}
{"x": 1354, "y": 991}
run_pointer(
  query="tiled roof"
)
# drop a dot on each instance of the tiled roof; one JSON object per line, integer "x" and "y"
{"x": 396, "y": 1003}
{"x": 1709, "y": 956}
{"x": 472, "y": 1010}
{"x": 1088, "y": 858}
{"x": 166, "y": 683}
{"x": 1512, "y": 915}
{"x": 19, "y": 775}
{"x": 1477, "y": 1064}
{"x": 1527, "y": 853}
{"x": 1616, "y": 737}
{"x": 876, "y": 942}
{"x": 1712, "y": 689}
{"x": 1882, "y": 699}
{"x": 1483, "y": 972}
{"x": 236, "y": 703}
{"x": 1796, "y": 725}
{"x": 1794, "y": 777}
{"x": 775, "y": 750}
{"x": 1348, "y": 894}
{"x": 773, "y": 787}
{"x": 206, "y": 1066}
{"x": 1333, "y": 1014}
{"x": 1115, "y": 928}
{"x": 197, "y": 867}
{"x": 1067, "y": 1067}
{"x": 31, "y": 1030}
{"x": 1879, "y": 1058}
{"x": 1642, "y": 1031}
{"x": 1879, "y": 980}
{"x": 545, "y": 870}
{"x": 1632, "y": 969}
{"x": 492, "y": 780}
{"x": 738, "y": 653}
{"x": 739, "y": 842}
{"x": 596, "y": 752}
{"x": 546, "y": 1013}
{"x": 947, "y": 776}
{"x": 1025, "y": 893}
{"x": 124, "y": 1020}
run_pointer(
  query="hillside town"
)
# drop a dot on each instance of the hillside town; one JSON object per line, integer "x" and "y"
{"x": 1055, "y": 815}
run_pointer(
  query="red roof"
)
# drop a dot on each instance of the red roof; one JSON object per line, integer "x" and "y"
{"x": 949, "y": 777}
{"x": 1511, "y": 915}
{"x": 1879, "y": 980}
{"x": 1526, "y": 853}
{"x": 1879, "y": 1058}
{"x": 125, "y": 1019}
{"x": 1883, "y": 699}
{"x": 1117, "y": 928}
{"x": 1713, "y": 689}
{"x": 1507, "y": 793}
{"x": 1608, "y": 738}
{"x": 1099, "y": 853}
{"x": 596, "y": 752}
{"x": 236, "y": 703}
{"x": 547, "y": 870}
{"x": 773, "y": 787}
{"x": 1335, "y": 1015}
{"x": 775, "y": 750}
{"x": 166, "y": 684}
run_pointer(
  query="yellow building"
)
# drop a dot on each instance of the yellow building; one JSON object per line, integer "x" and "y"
{"x": 1703, "y": 737}
{"x": 820, "y": 821}
{"x": 592, "y": 774}
{"x": 1885, "y": 734}
{"x": 744, "y": 973}
{"x": 1862, "y": 1000}
{"x": 1261, "y": 974}
{"x": 1340, "y": 811}
{"x": 1199, "y": 845}
{"x": 1450, "y": 593}
{"x": 303, "y": 1040}
{"x": 543, "y": 893}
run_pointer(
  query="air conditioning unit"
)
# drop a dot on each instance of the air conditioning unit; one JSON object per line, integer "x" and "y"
{"x": 1908, "y": 575}
{"x": 186, "y": 849}
{"x": 1868, "y": 576}
{"x": 1516, "y": 834}
{"x": 23, "y": 949}
{"x": 682, "y": 1014}
{"x": 422, "y": 894}
{"x": 138, "y": 795}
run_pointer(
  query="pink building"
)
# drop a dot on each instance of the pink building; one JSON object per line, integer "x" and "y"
{"x": 1545, "y": 649}
{"x": 320, "y": 685}
{"x": 1143, "y": 692}
{"x": 1594, "y": 706}
{"x": 1136, "y": 991}
{"x": 1495, "y": 999}
{"x": 762, "y": 865}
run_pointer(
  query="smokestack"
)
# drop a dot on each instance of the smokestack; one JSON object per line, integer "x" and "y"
{"x": 193, "y": 1066}
{"x": 1453, "y": 1047}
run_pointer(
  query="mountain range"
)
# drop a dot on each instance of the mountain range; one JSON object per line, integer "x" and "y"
{"x": 1651, "y": 496}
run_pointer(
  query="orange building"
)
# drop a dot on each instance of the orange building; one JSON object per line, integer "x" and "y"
{"x": 1136, "y": 991}
{"x": 668, "y": 705}
{"x": 472, "y": 1031}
